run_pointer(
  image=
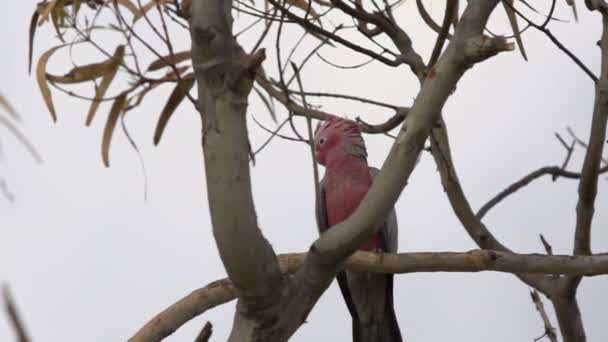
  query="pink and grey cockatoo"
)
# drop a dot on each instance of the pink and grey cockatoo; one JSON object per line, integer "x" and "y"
{"x": 339, "y": 146}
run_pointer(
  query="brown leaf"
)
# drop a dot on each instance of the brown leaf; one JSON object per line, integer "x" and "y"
{"x": 46, "y": 11}
{"x": 572, "y": 4}
{"x": 508, "y": 4}
{"x": 41, "y": 78}
{"x": 56, "y": 18}
{"x": 33, "y": 26}
{"x": 105, "y": 81}
{"x": 167, "y": 60}
{"x": 130, "y": 6}
{"x": 176, "y": 97}
{"x": 83, "y": 73}
{"x": 117, "y": 108}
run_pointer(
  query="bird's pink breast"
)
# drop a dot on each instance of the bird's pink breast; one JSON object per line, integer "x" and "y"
{"x": 344, "y": 190}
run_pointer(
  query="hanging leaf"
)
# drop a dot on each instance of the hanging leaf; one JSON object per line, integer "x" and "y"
{"x": 508, "y": 5}
{"x": 76, "y": 7}
{"x": 168, "y": 60}
{"x": 46, "y": 11}
{"x": 130, "y": 6}
{"x": 83, "y": 73}
{"x": 33, "y": 26}
{"x": 117, "y": 108}
{"x": 58, "y": 15}
{"x": 572, "y": 4}
{"x": 41, "y": 78}
{"x": 105, "y": 81}
{"x": 178, "y": 94}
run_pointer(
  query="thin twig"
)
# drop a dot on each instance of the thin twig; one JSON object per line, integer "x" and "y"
{"x": 549, "y": 329}
{"x": 511, "y": 189}
{"x": 557, "y": 43}
{"x": 311, "y": 142}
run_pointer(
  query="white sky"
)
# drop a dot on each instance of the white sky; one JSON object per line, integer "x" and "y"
{"x": 88, "y": 259}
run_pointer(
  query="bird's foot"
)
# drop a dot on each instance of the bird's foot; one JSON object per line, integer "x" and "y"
{"x": 380, "y": 253}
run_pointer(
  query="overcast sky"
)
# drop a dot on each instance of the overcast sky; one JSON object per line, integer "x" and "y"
{"x": 89, "y": 260}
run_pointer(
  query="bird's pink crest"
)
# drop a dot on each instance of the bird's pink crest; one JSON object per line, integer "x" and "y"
{"x": 350, "y": 132}
{"x": 338, "y": 124}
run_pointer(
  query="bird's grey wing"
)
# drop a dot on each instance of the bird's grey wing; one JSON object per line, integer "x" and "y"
{"x": 389, "y": 231}
{"x": 321, "y": 208}
{"x": 322, "y": 224}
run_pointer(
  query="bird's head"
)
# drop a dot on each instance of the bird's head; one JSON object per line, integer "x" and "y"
{"x": 336, "y": 138}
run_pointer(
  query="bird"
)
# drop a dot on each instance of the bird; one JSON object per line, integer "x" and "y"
{"x": 339, "y": 146}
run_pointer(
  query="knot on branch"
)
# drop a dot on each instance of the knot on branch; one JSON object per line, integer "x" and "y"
{"x": 483, "y": 259}
{"x": 481, "y": 47}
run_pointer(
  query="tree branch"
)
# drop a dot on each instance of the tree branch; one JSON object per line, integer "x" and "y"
{"x": 554, "y": 171}
{"x": 224, "y": 82}
{"x": 549, "y": 329}
{"x": 222, "y": 291}
{"x": 566, "y": 306}
{"x": 476, "y": 229}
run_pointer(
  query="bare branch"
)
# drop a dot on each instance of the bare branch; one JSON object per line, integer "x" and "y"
{"x": 450, "y": 11}
{"x": 316, "y": 29}
{"x": 224, "y": 82}
{"x": 476, "y": 229}
{"x": 524, "y": 181}
{"x": 222, "y": 291}
{"x": 549, "y": 329}
{"x": 194, "y": 304}
{"x": 591, "y": 166}
{"x": 557, "y": 43}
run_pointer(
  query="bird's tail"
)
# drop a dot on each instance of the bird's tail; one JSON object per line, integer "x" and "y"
{"x": 384, "y": 330}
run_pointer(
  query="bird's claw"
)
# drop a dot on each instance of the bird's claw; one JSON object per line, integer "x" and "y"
{"x": 380, "y": 253}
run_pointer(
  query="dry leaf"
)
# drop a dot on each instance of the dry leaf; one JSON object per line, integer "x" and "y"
{"x": 130, "y": 6}
{"x": 572, "y": 4}
{"x": 117, "y": 108}
{"x": 508, "y": 4}
{"x": 176, "y": 97}
{"x": 46, "y": 11}
{"x": 167, "y": 60}
{"x": 33, "y": 26}
{"x": 41, "y": 78}
{"x": 105, "y": 81}
{"x": 83, "y": 73}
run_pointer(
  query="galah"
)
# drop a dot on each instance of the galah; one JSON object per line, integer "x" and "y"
{"x": 339, "y": 146}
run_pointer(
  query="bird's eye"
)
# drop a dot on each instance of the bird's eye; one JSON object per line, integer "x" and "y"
{"x": 322, "y": 141}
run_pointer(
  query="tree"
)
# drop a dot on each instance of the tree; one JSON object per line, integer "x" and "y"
{"x": 224, "y": 76}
